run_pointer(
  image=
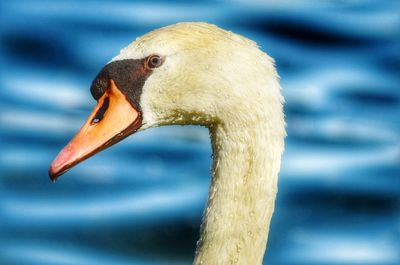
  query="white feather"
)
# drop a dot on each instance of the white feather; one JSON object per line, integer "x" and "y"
{"x": 221, "y": 80}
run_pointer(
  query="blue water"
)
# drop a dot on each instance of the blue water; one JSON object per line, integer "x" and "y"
{"x": 141, "y": 201}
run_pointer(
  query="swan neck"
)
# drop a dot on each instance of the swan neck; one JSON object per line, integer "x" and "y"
{"x": 242, "y": 193}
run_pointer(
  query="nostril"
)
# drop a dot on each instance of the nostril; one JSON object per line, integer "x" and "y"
{"x": 100, "y": 113}
{"x": 95, "y": 120}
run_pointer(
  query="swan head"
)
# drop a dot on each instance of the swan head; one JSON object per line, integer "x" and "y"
{"x": 187, "y": 73}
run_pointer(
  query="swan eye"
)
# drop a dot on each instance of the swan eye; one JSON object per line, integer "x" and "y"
{"x": 154, "y": 61}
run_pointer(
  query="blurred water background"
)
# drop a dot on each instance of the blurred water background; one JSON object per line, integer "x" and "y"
{"x": 141, "y": 201}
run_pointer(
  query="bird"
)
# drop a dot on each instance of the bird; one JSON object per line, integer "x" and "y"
{"x": 196, "y": 73}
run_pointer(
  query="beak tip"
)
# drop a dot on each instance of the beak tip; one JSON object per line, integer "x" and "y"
{"x": 53, "y": 174}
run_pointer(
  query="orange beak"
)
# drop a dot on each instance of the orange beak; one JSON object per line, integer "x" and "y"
{"x": 113, "y": 119}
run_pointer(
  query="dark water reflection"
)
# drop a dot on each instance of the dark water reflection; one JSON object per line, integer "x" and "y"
{"x": 141, "y": 201}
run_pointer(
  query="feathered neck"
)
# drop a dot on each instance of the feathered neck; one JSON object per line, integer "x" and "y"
{"x": 247, "y": 151}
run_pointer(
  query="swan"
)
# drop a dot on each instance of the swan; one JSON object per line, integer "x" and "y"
{"x": 198, "y": 73}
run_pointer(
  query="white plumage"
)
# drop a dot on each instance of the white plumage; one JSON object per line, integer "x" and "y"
{"x": 221, "y": 80}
